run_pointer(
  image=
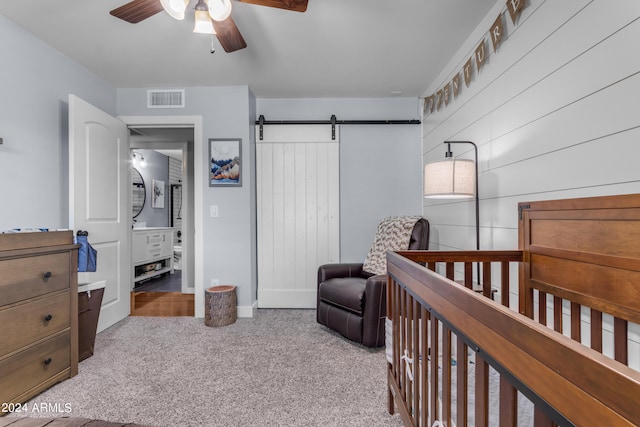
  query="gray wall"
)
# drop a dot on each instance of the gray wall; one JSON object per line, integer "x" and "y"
{"x": 380, "y": 165}
{"x": 229, "y": 240}
{"x": 35, "y": 81}
{"x": 380, "y": 170}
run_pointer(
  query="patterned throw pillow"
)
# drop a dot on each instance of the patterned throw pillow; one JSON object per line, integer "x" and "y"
{"x": 393, "y": 235}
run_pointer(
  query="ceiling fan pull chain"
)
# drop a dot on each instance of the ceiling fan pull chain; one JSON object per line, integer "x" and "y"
{"x": 213, "y": 47}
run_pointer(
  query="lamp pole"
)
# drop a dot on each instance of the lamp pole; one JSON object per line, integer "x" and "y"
{"x": 475, "y": 150}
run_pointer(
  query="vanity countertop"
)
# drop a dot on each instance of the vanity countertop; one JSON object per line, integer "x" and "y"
{"x": 152, "y": 228}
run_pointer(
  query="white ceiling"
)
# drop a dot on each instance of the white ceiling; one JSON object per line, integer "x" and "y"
{"x": 337, "y": 48}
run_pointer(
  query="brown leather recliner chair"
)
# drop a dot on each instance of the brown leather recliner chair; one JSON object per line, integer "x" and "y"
{"x": 353, "y": 302}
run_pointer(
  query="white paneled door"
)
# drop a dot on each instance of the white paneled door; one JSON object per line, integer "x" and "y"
{"x": 298, "y": 178}
{"x": 98, "y": 198}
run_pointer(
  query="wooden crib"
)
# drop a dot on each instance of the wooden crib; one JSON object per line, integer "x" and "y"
{"x": 465, "y": 356}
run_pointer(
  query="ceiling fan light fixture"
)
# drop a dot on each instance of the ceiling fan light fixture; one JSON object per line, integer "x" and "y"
{"x": 175, "y": 8}
{"x": 219, "y": 9}
{"x": 203, "y": 24}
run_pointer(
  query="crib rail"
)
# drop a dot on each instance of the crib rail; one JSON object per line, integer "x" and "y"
{"x": 437, "y": 323}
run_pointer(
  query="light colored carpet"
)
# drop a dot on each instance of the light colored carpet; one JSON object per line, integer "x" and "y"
{"x": 279, "y": 368}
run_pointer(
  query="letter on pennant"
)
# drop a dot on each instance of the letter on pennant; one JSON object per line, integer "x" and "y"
{"x": 428, "y": 103}
{"x": 515, "y": 7}
{"x": 456, "y": 84}
{"x": 496, "y": 32}
{"x": 445, "y": 93}
{"x": 481, "y": 55}
{"x": 439, "y": 98}
{"x": 467, "y": 72}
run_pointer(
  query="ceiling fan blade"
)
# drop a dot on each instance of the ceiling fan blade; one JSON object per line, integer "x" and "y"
{"x": 295, "y": 5}
{"x": 137, "y": 10}
{"x": 229, "y": 35}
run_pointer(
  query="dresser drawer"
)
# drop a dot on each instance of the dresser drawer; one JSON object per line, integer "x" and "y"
{"x": 155, "y": 250}
{"x": 23, "y": 278}
{"x": 34, "y": 365}
{"x": 26, "y": 323}
{"x": 156, "y": 238}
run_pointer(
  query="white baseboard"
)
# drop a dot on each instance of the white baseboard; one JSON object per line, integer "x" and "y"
{"x": 287, "y": 298}
{"x": 248, "y": 310}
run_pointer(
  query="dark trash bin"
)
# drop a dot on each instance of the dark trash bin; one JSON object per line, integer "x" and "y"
{"x": 89, "y": 303}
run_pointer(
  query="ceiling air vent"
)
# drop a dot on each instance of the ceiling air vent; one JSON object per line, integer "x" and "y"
{"x": 173, "y": 98}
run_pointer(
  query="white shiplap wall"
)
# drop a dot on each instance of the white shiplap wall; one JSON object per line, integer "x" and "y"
{"x": 554, "y": 113}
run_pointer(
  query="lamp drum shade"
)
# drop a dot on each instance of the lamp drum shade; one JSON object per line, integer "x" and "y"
{"x": 450, "y": 179}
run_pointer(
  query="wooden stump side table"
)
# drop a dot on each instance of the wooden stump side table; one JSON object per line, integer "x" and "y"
{"x": 220, "y": 305}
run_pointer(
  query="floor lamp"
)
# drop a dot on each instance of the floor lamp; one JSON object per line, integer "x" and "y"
{"x": 454, "y": 179}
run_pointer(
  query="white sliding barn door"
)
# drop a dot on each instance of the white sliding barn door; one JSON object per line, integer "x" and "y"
{"x": 298, "y": 178}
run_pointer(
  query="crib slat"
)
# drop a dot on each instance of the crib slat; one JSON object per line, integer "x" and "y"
{"x": 542, "y": 308}
{"x": 620, "y": 333}
{"x": 504, "y": 284}
{"x": 450, "y": 270}
{"x": 462, "y": 383}
{"x": 508, "y": 403}
{"x": 540, "y": 418}
{"x": 408, "y": 318}
{"x": 486, "y": 279}
{"x": 424, "y": 365}
{"x": 391, "y": 288}
{"x": 409, "y": 348}
{"x": 433, "y": 368}
{"x": 416, "y": 359}
{"x": 482, "y": 392}
{"x": 403, "y": 341}
{"x": 446, "y": 375}
{"x": 576, "y": 333}
{"x": 557, "y": 314}
{"x": 468, "y": 275}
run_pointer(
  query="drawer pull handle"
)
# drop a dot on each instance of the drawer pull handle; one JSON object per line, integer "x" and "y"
{"x": 48, "y": 361}
{"x": 48, "y": 317}
{"x": 46, "y": 276}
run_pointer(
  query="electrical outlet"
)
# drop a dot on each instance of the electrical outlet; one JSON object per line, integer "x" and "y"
{"x": 215, "y": 282}
{"x": 214, "y": 211}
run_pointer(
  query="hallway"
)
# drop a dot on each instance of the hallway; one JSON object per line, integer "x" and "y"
{"x": 161, "y": 297}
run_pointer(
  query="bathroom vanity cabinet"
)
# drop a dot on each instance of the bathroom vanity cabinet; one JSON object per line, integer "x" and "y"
{"x": 152, "y": 252}
{"x": 38, "y": 312}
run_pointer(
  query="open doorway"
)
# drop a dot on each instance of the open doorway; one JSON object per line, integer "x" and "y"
{"x": 162, "y": 246}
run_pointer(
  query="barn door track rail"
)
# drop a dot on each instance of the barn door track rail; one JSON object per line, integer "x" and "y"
{"x": 333, "y": 122}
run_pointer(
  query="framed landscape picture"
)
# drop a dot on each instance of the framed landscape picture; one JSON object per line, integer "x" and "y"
{"x": 225, "y": 162}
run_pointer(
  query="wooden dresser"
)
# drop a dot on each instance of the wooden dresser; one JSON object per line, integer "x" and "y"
{"x": 38, "y": 312}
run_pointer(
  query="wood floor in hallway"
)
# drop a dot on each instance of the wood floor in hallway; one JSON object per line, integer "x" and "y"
{"x": 161, "y": 298}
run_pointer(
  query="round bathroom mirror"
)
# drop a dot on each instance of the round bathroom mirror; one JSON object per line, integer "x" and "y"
{"x": 139, "y": 192}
